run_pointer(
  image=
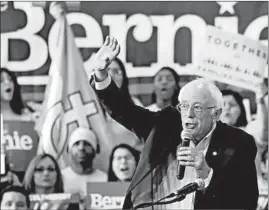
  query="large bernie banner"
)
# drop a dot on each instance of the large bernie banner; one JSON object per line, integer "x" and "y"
{"x": 151, "y": 34}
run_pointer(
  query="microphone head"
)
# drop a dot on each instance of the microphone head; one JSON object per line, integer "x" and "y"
{"x": 200, "y": 183}
{"x": 186, "y": 135}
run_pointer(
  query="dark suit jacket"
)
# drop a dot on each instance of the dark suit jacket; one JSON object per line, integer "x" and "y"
{"x": 231, "y": 154}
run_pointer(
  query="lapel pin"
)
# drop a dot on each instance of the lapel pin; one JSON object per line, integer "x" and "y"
{"x": 215, "y": 153}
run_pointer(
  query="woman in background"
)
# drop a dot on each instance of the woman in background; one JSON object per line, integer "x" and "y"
{"x": 12, "y": 105}
{"x": 122, "y": 163}
{"x": 234, "y": 114}
{"x": 118, "y": 73}
{"x": 43, "y": 176}
{"x": 166, "y": 89}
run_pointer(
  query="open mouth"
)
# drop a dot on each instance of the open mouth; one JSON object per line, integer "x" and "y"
{"x": 8, "y": 90}
{"x": 190, "y": 125}
{"x": 125, "y": 169}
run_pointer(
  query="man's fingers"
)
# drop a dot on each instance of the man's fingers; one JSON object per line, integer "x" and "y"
{"x": 106, "y": 41}
{"x": 111, "y": 41}
{"x": 115, "y": 43}
{"x": 185, "y": 158}
{"x": 117, "y": 50}
{"x": 187, "y": 163}
{"x": 187, "y": 152}
{"x": 184, "y": 148}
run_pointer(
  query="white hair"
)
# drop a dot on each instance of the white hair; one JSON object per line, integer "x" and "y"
{"x": 207, "y": 86}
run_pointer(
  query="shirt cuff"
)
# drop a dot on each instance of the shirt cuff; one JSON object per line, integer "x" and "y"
{"x": 208, "y": 179}
{"x": 104, "y": 84}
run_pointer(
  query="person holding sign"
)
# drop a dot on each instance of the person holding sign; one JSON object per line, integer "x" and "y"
{"x": 221, "y": 155}
{"x": 43, "y": 176}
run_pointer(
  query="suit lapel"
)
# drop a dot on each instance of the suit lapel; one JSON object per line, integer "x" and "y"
{"x": 215, "y": 149}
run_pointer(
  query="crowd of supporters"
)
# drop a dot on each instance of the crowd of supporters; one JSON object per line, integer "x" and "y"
{"x": 44, "y": 176}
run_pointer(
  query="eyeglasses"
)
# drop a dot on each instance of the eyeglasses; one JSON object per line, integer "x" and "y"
{"x": 127, "y": 158}
{"x": 197, "y": 109}
{"x": 41, "y": 169}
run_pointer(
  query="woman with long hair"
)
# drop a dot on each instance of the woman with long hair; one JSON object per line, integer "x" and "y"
{"x": 166, "y": 89}
{"x": 122, "y": 163}
{"x": 234, "y": 112}
{"x": 12, "y": 105}
{"x": 118, "y": 73}
{"x": 43, "y": 176}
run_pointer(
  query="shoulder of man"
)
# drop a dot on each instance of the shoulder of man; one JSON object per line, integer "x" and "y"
{"x": 236, "y": 136}
{"x": 66, "y": 171}
{"x": 170, "y": 113}
{"x": 101, "y": 174}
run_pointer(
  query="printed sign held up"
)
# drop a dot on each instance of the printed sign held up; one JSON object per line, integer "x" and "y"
{"x": 54, "y": 201}
{"x": 20, "y": 140}
{"x": 108, "y": 195}
{"x": 232, "y": 58}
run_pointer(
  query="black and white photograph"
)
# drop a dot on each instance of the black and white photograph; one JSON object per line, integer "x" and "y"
{"x": 134, "y": 105}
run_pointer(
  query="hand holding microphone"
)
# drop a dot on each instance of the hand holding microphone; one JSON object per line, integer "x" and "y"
{"x": 189, "y": 156}
{"x": 186, "y": 138}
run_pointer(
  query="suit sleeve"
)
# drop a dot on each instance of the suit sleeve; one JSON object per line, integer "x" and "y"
{"x": 121, "y": 108}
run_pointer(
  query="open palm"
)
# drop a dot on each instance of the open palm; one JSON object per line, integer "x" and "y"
{"x": 107, "y": 53}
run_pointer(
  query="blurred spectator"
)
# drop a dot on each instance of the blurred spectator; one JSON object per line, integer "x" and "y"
{"x": 14, "y": 198}
{"x": 82, "y": 148}
{"x": 12, "y": 105}
{"x": 234, "y": 114}
{"x": 118, "y": 73}
{"x": 263, "y": 182}
{"x": 166, "y": 89}
{"x": 9, "y": 179}
{"x": 43, "y": 176}
{"x": 122, "y": 163}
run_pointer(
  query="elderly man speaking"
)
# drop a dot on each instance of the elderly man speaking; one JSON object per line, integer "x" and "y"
{"x": 220, "y": 155}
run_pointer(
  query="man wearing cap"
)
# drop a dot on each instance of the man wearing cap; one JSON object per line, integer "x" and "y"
{"x": 82, "y": 148}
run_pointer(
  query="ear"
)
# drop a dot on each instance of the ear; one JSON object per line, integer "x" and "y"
{"x": 216, "y": 114}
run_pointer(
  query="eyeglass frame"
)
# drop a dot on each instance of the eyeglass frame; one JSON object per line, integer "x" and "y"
{"x": 126, "y": 158}
{"x": 192, "y": 108}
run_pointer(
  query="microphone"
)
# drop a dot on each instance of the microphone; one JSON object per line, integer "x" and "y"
{"x": 199, "y": 184}
{"x": 186, "y": 138}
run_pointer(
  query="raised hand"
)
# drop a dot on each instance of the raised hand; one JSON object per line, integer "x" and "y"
{"x": 107, "y": 53}
{"x": 261, "y": 91}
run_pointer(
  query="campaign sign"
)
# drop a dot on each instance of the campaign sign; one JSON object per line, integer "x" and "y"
{"x": 232, "y": 58}
{"x": 54, "y": 201}
{"x": 108, "y": 195}
{"x": 20, "y": 140}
